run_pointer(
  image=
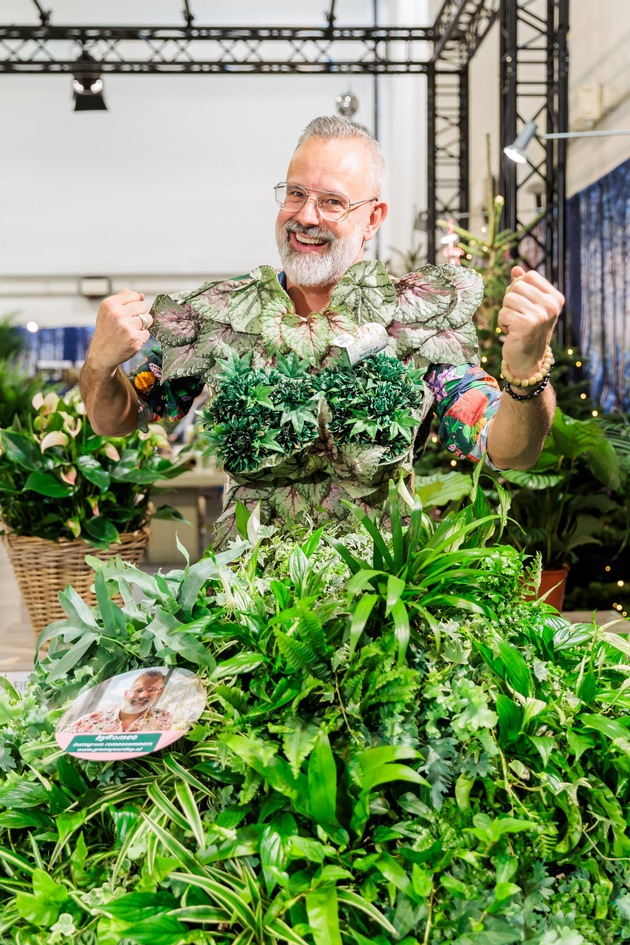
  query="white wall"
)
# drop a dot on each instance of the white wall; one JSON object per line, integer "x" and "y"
{"x": 173, "y": 184}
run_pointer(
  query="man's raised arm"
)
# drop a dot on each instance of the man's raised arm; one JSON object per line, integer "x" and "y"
{"x": 121, "y": 330}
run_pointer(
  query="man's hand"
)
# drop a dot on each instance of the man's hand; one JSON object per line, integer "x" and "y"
{"x": 528, "y": 317}
{"x": 121, "y": 330}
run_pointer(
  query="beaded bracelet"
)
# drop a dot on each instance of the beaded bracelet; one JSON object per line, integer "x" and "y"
{"x": 532, "y": 394}
{"x": 536, "y": 378}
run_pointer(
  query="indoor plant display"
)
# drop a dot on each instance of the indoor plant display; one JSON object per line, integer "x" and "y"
{"x": 64, "y": 486}
{"x": 558, "y": 505}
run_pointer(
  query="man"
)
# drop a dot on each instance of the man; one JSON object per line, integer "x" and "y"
{"x": 136, "y": 713}
{"x": 336, "y": 160}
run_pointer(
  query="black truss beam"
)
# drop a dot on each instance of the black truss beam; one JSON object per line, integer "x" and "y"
{"x": 230, "y": 49}
{"x": 534, "y": 87}
{"x": 459, "y": 29}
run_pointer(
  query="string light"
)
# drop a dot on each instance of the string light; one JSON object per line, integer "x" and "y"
{"x": 607, "y": 568}
{"x": 453, "y": 462}
{"x": 620, "y": 583}
{"x": 595, "y": 413}
{"x": 578, "y": 364}
{"x": 484, "y": 359}
{"x": 582, "y": 396}
{"x": 434, "y": 439}
{"x": 569, "y": 351}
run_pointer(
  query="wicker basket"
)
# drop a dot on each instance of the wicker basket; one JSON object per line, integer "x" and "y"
{"x": 43, "y": 568}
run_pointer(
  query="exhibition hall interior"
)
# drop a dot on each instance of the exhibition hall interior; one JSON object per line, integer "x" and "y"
{"x": 330, "y": 457}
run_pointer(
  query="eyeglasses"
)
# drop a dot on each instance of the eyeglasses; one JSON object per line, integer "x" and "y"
{"x": 292, "y": 197}
{"x": 147, "y": 689}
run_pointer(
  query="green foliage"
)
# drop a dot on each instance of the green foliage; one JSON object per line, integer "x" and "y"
{"x": 558, "y": 506}
{"x": 16, "y": 388}
{"x": 396, "y": 748}
{"x": 258, "y": 414}
{"x": 59, "y": 479}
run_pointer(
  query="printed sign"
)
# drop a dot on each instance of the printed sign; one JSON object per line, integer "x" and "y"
{"x": 132, "y": 714}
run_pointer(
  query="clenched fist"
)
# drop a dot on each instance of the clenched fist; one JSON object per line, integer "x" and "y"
{"x": 122, "y": 325}
{"x": 528, "y": 316}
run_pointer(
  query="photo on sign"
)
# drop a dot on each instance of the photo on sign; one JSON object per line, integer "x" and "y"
{"x": 136, "y": 712}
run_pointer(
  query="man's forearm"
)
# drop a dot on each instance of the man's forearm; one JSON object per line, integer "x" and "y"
{"x": 518, "y": 429}
{"x": 110, "y": 401}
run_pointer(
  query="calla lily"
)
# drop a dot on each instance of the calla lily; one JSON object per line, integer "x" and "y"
{"x": 111, "y": 452}
{"x": 71, "y": 425}
{"x": 69, "y": 475}
{"x": 54, "y": 438}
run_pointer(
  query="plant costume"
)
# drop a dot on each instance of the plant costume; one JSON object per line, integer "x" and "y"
{"x": 301, "y": 420}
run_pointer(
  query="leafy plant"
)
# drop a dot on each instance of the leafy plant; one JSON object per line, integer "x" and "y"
{"x": 261, "y": 414}
{"x": 59, "y": 479}
{"x": 558, "y": 505}
{"x": 397, "y": 748}
{"x": 17, "y": 389}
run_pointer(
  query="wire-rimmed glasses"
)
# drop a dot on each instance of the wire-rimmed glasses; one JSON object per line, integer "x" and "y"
{"x": 334, "y": 207}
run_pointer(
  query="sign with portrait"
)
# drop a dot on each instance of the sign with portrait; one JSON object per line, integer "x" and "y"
{"x": 132, "y": 714}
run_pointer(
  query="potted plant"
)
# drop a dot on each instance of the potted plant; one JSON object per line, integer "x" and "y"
{"x": 66, "y": 491}
{"x": 558, "y": 506}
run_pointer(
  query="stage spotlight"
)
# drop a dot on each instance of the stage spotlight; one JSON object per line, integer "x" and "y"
{"x": 87, "y": 86}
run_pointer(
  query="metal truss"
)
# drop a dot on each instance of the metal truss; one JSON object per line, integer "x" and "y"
{"x": 534, "y": 87}
{"x": 189, "y": 49}
{"x": 458, "y": 31}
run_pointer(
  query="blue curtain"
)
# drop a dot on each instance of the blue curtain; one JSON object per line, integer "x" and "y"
{"x": 598, "y": 284}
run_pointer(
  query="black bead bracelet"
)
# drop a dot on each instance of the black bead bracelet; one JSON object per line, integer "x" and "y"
{"x": 532, "y": 394}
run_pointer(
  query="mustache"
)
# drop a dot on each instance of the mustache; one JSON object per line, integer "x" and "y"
{"x": 317, "y": 232}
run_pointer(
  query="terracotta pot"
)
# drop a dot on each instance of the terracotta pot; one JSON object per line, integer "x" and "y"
{"x": 552, "y": 587}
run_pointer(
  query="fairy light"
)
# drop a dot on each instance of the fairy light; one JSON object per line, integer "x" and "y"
{"x": 582, "y": 396}
{"x": 595, "y": 413}
{"x": 483, "y": 359}
{"x": 578, "y": 364}
{"x": 453, "y": 462}
{"x": 569, "y": 351}
{"x": 434, "y": 439}
{"x": 498, "y": 330}
{"x": 620, "y": 583}
{"x": 607, "y": 568}
{"x": 483, "y": 229}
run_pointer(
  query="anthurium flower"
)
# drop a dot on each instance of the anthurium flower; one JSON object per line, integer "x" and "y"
{"x": 93, "y": 502}
{"x": 54, "y": 438}
{"x": 47, "y": 404}
{"x": 69, "y": 475}
{"x": 71, "y": 425}
{"x": 75, "y": 526}
{"x": 111, "y": 452}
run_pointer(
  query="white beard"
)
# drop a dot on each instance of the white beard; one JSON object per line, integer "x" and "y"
{"x": 315, "y": 269}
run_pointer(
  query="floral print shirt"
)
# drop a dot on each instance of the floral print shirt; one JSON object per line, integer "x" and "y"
{"x": 108, "y": 720}
{"x": 466, "y": 398}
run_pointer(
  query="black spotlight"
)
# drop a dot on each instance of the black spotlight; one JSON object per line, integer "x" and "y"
{"x": 87, "y": 86}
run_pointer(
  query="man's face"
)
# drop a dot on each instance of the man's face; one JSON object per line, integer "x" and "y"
{"x": 145, "y": 692}
{"x": 317, "y": 252}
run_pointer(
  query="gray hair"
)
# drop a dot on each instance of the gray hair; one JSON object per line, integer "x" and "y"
{"x": 331, "y": 126}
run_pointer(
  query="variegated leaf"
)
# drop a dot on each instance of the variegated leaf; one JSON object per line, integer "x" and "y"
{"x": 359, "y": 462}
{"x": 340, "y": 320}
{"x": 183, "y": 361}
{"x": 217, "y": 340}
{"x": 446, "y": 346}
{"x": 251, "y": 297}
{"x": 289, "y": 504}
{"x": 271, "y": 325}
{"x": 174, "y": 323}
{"x": 424, "y": 295}
{"x": 213, "y": 300}
{"x": 309, "y": 337}
{"x": 368, "y": 291}
{"x": 469, "y": 285}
